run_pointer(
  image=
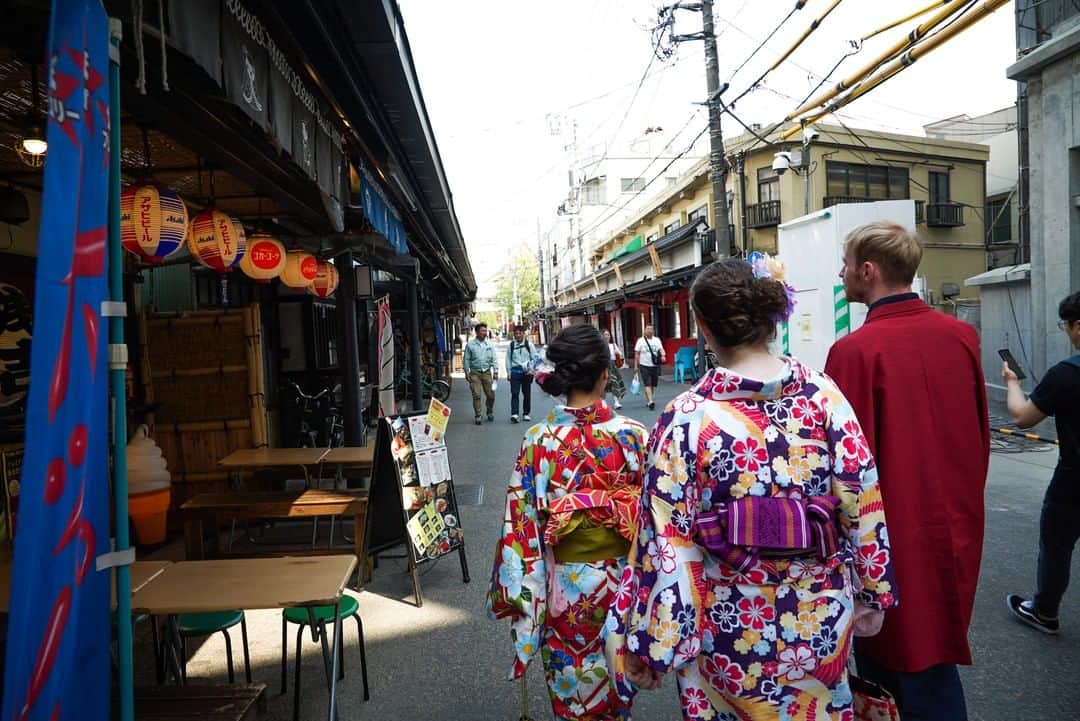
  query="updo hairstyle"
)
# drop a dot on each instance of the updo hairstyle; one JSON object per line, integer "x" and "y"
{"x": 736, "y": 306}
{"x": 579, "y": 355}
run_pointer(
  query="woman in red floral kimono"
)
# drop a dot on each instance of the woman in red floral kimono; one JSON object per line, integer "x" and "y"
{"x": 571, "y": 512}
{"x": 763, "y": 545}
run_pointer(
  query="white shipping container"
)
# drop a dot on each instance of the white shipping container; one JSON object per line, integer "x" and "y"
{"x": 812, "y": 248}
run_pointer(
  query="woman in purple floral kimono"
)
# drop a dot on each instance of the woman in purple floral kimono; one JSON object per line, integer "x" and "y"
{"x": 763, "y": 545}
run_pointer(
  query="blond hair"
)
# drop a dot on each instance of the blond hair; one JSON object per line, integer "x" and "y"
{"x": 894, "y": 249}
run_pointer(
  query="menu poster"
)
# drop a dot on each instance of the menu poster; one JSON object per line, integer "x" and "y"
{"x": 423, "y": 435}
{"x": 407, "y": 456}
{"x": 438, "y": 416}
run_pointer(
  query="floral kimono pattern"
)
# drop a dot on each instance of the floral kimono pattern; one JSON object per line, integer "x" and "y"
{"x": 579, "y": 468}
{"x": 768, "y": 638}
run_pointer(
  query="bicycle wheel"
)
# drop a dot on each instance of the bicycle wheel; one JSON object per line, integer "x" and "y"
{"x": 440, "y": 390}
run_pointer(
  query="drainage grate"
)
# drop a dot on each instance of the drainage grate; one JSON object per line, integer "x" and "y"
{"x": 469, "y": 494}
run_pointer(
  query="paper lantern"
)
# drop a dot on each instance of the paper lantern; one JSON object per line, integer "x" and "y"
{"x": 326, "y": 280}
{"x": 217, "y": 240}
{"x": 264, "y": 258}
{"x": 300, "y": 269}
{"x": 153, "y": 221}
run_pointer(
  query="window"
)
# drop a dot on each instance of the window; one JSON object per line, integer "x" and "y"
{"x": 999, "y": 218}
{"x": 939, "y": 188}
{"x": 877, "y": 182}
{"x": 768, "y": 185}
{"x": 696, "y": 213}
{"x": 673, "y": 225}
{"x": 651, "y": 237}
{"x": 594, "y": 191}
{"x": 632, "y": 185}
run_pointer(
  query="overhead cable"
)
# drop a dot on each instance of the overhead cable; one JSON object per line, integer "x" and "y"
{"x": 798, "y": 6}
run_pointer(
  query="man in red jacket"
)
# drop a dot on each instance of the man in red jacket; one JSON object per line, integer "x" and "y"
{"x": 914, "y": 378}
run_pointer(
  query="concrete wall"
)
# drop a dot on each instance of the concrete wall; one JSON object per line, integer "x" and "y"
{"x": 1005, "y": 322}
{"x": 1054, "y": 160}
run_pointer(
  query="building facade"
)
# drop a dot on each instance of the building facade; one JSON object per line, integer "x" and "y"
{"x": 642, "y": 270}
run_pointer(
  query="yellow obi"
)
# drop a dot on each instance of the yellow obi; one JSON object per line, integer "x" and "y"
{"x": 585, "y": 542}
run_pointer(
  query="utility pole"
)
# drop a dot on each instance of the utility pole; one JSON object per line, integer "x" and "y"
{"x": 717, "y": 159}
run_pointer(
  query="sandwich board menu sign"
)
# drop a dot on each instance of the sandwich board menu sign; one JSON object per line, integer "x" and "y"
{"x": 411, "y": 500}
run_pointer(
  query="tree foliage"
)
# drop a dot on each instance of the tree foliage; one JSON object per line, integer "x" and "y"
{"x": 524, "y": 266}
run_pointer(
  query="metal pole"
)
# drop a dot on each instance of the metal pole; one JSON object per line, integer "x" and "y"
{"x": 742, "y": 204}
{"x": 806, "y": 170}
{"x": 717, "y": 161}
{"x": 119, "y": 386}
{"x": 412, "y": 285}
{"x": 349, "y": 350}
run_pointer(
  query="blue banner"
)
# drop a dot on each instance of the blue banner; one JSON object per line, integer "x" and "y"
{"x": 381, "y": 214}
{"x": 57, "y": 664}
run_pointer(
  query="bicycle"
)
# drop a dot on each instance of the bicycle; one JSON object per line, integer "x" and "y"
{"x": 437, "y": 389}
{"x": 334, "y": 429}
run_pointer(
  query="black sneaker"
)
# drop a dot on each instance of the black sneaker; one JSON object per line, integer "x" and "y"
{"x": 479, "y": 421}
{"x": 513, "y": 419}
{"x": 652, "y": 406}
{"x": 491, "y": 417}
{"x": 1025, "y": 612}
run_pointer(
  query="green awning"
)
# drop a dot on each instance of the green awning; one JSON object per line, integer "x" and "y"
{"x": 632, "y": 246}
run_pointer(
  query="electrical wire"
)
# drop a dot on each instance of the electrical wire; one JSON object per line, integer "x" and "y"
{"x": 652, "y": 180}
{"x": 798, "y": 6}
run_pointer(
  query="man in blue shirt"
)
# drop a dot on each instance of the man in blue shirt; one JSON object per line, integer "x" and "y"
{"x": 481, "y": 369}
{"x": 519, "y": 368}
{"x": 1058, "y": 395}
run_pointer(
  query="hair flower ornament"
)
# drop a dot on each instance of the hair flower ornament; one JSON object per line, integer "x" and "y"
{"x": 766, "y": 266}
{"x": 543, "y": 369}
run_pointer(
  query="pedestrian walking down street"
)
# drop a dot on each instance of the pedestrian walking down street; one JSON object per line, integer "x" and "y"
{"x": 615, "y": 385}
{"x": 519, "y": 369}
{"x": 1057, "y": 395}
{"x": 914, "y": 377}
{"x": 649, "y": 356}
{"x": 763, "y": 546}
{"x": 572, "y": 509}
{"x": 481, "y": 369}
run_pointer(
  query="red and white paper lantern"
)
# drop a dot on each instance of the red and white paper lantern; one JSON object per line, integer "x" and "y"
{"x": 264, "y": 259}
{"x": 326, "y": 280}
{"x": 217, "y": 240}
{"x": 153, "y": 221}
{"x": 300, "y": 269}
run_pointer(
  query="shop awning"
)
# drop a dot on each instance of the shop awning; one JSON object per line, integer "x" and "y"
{"x": 632, "y": 246}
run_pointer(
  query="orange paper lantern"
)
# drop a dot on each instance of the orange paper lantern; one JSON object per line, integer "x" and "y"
{"x": 217, "y": 240}
{"x": 326, "y": 280}
{"x": 153, "y": 221}
{"x": 300, "y": 269}
{"x": 264, "y": 259}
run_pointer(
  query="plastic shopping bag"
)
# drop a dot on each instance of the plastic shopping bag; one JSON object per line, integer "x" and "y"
{"x": 635, "y": 385}
{"x": 494, "y": 385}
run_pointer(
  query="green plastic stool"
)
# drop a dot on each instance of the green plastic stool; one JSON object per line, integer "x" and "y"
{"x": 323, "y": 615}
{"x": 193, "y": 625}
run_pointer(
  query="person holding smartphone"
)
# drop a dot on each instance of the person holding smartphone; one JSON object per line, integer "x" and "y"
{"x": 1058, "y": 395}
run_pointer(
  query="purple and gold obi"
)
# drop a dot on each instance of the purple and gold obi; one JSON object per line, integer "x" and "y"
{"x": 743, "y": 531}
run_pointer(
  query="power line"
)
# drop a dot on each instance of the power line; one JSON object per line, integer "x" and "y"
{"x": 652, "y": 180}
{"x": 798, "y": 6}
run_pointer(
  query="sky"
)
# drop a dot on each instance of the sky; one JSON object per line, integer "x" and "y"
{"x": 506, "y": 83}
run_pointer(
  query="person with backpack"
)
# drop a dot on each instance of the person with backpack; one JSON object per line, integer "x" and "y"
{"x": 650, "y": 355}
{"x": 519, "y": 366}
{"x": 1058, "y": 395}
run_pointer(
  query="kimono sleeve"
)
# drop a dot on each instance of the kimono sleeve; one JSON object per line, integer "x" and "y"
{"x": 664, "y": 589}
{"x": 861, "y": 512}
{"x": 518, "y": 588}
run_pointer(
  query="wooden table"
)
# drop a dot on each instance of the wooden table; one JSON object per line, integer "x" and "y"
{"x": 142, "y": 573}
{"x": 204, "y": 512}
{"x": 262, "y": 458}
{"x": 351, "y": 457}
{"x": 207, "y": 703}
{"x": 254, "y": 583}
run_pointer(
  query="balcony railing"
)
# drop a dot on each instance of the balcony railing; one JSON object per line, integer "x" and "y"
{"x": 829, "y": 200}
{"x": 763, "y": 215}
{"x": 708, "y": 242}
{"x": 944, "y": 215}
{"x": 920, "y": 212}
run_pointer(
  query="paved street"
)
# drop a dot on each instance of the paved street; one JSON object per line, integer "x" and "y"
{"x": 447, "y": 661}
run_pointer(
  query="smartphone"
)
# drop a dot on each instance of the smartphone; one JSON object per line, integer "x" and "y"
{"x": 1013, "y": 365}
